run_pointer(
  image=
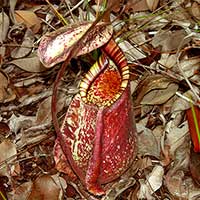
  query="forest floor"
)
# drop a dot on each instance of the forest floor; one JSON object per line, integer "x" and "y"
{"x": 161, "y": 41}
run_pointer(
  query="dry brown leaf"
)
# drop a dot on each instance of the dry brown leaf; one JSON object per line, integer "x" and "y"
{"x": 152, "y": 4}
{"x": 190, "y": 67}
{"x": 152, "y": 183}
{"x": 131, "y": 52}
{"x": 167, "y": 60}
{"x": 116, "y": 22}
{"x": 3, "y": 86}
{"x": 26, "y": 46}
{"x": 8, "y": 150}
{"x": 44, "y": 188}
{"x": 44, "y": 111}
{"x": 181, "y": 104}
{"x": 151, "y": 86}
{"x": 160, "y": 96}
{"x": 30, "y": 64}
{"x": 147, "y": 143}
{"x": 144, "y": 163}
{"x": 12, "y": 4}
{"x": 135, "y": 6}
{"x": 22, "y": 191}
{"x": 43, "y": 115}
{"x": 6, "y": 94}
{"x": 195, "y": 166}
{"x": 4, "y": 128}
{"x": 166, "y": 40}
{"x": 195, "y": 9}
{"x": 119, "y": 188}
{"x": 29, "y": 18}
{"x": 20, "y": 121}
{"x": 180, "y": 186}
{"x": 4, "y": 26}
{"x": 176, "y": 136}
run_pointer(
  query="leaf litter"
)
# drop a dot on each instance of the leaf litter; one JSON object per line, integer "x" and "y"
{"x": 166, "y": 166}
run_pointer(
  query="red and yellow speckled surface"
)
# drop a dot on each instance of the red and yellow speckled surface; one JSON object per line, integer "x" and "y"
{"x": 117, "y": 139}
{"x": 101, "y": 138}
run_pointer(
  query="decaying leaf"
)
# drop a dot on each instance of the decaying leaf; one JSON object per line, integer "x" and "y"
{"x": 176, "y": 176}
{"x": 144, "y": 163}
{"x": 147, "y": 143}
{"x": 155, "y": 89}
{"x": 4, "y": 130}
{"x": 45, "y": 187}
{"x": 165, "y": 39}
{"x": 43, "y": 115}
{"x": 30, "y": 64}
{"x": 155, "y": 178}
{"x": 25, "y": 47}
{"x": 195, "y": 10}
{"x": 132, "y": 53}
{"x": 167, "y": 60}
{"x": 16, "y": 33}
{"x": 21, "y": 192}
{"x": 160, "y": 96}
{"x": 44, "y": 111}
{"x": 181, "y": 104}
{"x": 29, "y": 18}
{"x": 18, "y": 122}
{"x": 190, "y": 66}
{"x": 176, "y": 136}
{"x": 8, "y": 151}
{"x": 152, "y": 4}
{"x": 181, "y": 186}
{"x": 118, "y": 188}
{"x": 6, "y": 94}
{"x": 152, "y": 183}
{"x": 54, "y": 47}
{"x": 12, "y": 4}
{"x": 117, "y": 23}
{"x": 3, "y": 86}
{"x": 135, "y": 5}
{"x": 195, "y": 166}
{"x": 4, "y": 26}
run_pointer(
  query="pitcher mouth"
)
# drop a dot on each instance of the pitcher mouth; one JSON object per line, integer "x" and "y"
{"x": 106, "y": 88}
{"x": 105, "y": 82}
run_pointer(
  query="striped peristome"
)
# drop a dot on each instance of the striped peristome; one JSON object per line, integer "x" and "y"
{"x": 89, "y": 77}
{"x": 110, "y": 51}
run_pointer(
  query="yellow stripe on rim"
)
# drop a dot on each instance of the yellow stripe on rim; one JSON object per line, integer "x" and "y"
{"x": 116, "y": 55}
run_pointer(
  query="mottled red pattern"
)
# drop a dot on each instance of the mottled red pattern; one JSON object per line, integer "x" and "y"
{"x": 117, "y": 140}
{"x": 99, "y": 128}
